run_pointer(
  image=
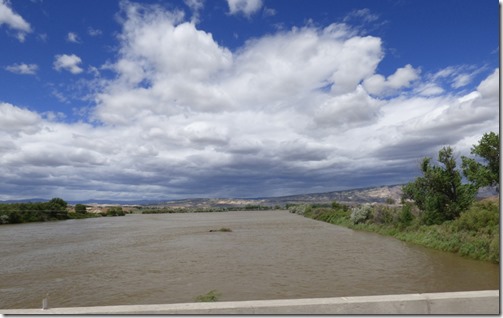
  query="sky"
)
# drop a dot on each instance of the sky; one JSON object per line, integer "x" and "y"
{"x": 165, "y": 100}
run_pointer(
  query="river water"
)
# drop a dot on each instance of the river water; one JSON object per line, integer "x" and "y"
{"x": 173, "y": 258}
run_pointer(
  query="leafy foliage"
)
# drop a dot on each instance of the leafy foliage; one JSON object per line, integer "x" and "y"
{"x": 33, "y": 211}
{"x": 406, "y": 215}
{"x": 301, "y": 209}
{"x": 360, "y": 214}
{"x": 210, "y": 296}
{"x": 439, "y": 193}
{"x": 80, "y": 208}
{"x": 482, "y": 217}
{"x": 115, "y": 211}
{"x": 487, "y": 174}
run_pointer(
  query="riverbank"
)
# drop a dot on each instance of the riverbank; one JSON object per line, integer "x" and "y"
{"x": 475, "y": 234}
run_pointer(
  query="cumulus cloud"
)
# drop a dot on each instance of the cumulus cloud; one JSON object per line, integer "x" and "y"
{"x": 14, "y": 120}
{"x": 13, "y": 20}
{"x": 196, "y": 6}
{"x": 245, "y": 7}
{"x": 72, "y": 37}
{"x": 352, "y": 109}
{"x": 23, "y": 68}
{"x": 67, "y": 62}
{"x": 296, "y": 111}
{"x": 403, "y": 77}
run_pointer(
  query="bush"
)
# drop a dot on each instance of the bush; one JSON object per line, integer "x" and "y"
{"x": 211, "y": 296}
{"x": 301, "y": 209}
{"x": 390, "y": 200}
{"x": 384, "y": 214}
{"x": 481, "y": 217}
{"x": 4, "y": 219}
{"x": 80, "y": 208}
{"x": 360, "y": 214}
{"x": 406, "y": 215}
{"x": 339, "y": 206}
{"x": 115, "y": 211}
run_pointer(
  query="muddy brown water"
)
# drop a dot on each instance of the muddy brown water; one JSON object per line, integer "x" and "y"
{"x": 173, "y": 258}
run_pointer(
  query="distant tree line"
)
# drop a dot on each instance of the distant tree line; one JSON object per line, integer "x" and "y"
{"x": 55, "y": 209}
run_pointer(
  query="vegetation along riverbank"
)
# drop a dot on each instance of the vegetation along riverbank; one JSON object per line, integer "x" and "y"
{"x": 437, "y": 210}
{"x": 53, "y": 210}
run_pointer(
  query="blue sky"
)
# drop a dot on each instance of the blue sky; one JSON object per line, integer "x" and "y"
{"x": 238, "y": 98}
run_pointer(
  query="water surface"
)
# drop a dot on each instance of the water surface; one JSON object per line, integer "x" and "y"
{"x": 173, "y": 258}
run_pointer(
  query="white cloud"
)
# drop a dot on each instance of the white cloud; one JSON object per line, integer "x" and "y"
{"x": 457, "y": 76}
{"x": 13, "y": 20}
{"x": 94, "y": 32}
{"x": 462, "y": 80}
{"x": 14, "y": 120}
{"x": 246, "y": 7}
{"x": 269, "y": 12}
{"x": 489, "y": 87}
{"x": 23, "y": 68}
{"x": 196, "y": 6}
{"x": 72, "y": 37}
{"x": 287, "y": 112}
{"x": 67, "y": 62}
{"x": 348, "y": 110}
{"x": 403, "y": 77}
{"x": 429, "y": 89}
{"x": 364, "y": 14}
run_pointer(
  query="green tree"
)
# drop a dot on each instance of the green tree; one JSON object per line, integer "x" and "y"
{"x": 115, "y": 211}
{"x": 439, "y": 193}
{"x": 488, "y": 172}
{"x": 80, "y": 208}
{"x": 57, "y": 208}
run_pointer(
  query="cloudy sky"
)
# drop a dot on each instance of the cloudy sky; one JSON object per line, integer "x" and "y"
{"x": 238, "y": 98}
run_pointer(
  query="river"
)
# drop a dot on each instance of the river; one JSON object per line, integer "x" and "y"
{"x": 173, "y": 258}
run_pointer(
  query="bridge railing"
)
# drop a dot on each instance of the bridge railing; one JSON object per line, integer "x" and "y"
{"x": 469, "y": 302}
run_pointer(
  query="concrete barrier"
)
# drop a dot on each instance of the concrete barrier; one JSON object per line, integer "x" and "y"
{"x": 470, "y": 302}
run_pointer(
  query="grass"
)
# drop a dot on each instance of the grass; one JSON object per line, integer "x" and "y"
{"x": 210, "y": 296}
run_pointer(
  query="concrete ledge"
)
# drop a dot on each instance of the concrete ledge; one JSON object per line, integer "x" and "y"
{"x": 470, "y": 302}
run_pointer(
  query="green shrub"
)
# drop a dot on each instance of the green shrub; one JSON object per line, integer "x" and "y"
{"x": 115, "y": 211}
{"x": 80, "y": 208}
{"x": 406, "y": 215}
{"x": 301, "y": 209}
{"x": 382, "y": 214}
{"x": 360, "y": 214}
{"x": 481, "y": 217}
{"x": 210, "y": 296}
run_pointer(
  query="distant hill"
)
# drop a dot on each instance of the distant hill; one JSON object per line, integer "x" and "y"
{"x": 25, "y": 200}
{"x": 362, "y": 195}
{"x": 354, "y": 196}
